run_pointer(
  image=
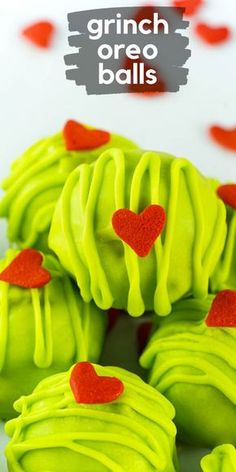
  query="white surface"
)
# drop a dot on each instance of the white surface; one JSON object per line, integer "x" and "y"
{"x": 36, "y": 99}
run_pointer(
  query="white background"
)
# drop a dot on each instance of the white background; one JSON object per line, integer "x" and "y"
{"x": 36, "y": 99}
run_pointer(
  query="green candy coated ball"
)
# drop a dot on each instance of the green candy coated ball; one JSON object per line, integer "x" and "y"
{"x": 35, "y": 184}
{"x": 106, "y": 269}
{"x": 53, "y": 432}
{"x": 194, "y": 366}
{"x": 43, "y": 331}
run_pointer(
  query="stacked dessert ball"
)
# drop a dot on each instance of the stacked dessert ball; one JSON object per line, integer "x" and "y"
{"x": 127, "y": 229}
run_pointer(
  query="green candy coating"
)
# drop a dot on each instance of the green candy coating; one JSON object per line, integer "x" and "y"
{"x": 53, "y": 432}
{"x": 43, "y": 331}
{"x": 108, "y": 270}
{"x": 194, "y": 366}
{"x": 224, "y": 275}
{"x": 222, "y": 459}
{"x": 35, "y": 183}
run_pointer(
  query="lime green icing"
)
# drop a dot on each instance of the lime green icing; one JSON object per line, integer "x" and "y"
{"x": 108, "y": 270}
{"x": 35, "y": 183}
{"x": 43, "y": 331}
{"x": 194, "y": 366}
{"x": 224, "y": 276}
{"x": 222, "y": 459}
{"x": 53, "y": 432}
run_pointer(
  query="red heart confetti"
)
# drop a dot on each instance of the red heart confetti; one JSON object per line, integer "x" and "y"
{"x": 139, "y": 231}
{"x": 26, "y": 270}
{"x": 40, "y": 33}
{"x": 143, "y": 334}
{"x": 77, "y": 137}
{"x": 223, "y": 310}
{"x": 88, "y": 387}
{"x": 227, "y": 193}
{"x": 212, "y": 34}
{"x": 191, "y": 6}
{"x": 224, "y": 137}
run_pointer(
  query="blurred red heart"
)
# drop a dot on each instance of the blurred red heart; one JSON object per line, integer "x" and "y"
{"x": 40, "y": 33}
{"x": 225, "y": 137}
{"x": 191, "y": 6}
{"x": 212, "y": 34}
{"x": 78, "y": 138}
{"x": 88, "y": 387}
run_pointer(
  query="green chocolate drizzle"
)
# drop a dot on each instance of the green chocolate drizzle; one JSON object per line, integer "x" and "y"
{"x": 222, "y": 459}
{"x": 224, "y": 277}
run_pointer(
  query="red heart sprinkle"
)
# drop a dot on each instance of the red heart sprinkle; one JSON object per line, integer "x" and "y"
{"x": 40, "y": 33}
{"x": 212, "y": 34}
{"x": 88, "y": 387}
{"x": 139, "y": 231}
{"x": 227, "y": 193}
{"x": 26, "y": 270}
{"x": 223, "y": 310}
{"x": 78, "y": 138}
{"x": 191, "y": 6}
{"x": 225, "y": 137}
{"x": 143, "y": 334}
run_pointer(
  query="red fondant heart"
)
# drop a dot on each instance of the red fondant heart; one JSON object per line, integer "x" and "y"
{"x": 223, "y": 310}
{"x": 191, "y": 6}
{"x": 139, "y": 231}
{"x": 227, "y": 193}
{"x": 40, "y": 33}
{"x": 224, "y": 137}
{"x": 78, "y": 138}
{"x": 88, "y": 387}
{"x": 26, "y": 270}
{"x": 212, "y": 34}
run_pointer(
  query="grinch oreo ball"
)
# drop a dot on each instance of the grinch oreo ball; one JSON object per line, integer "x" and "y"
{"x": 37, "y": 178}
{"x": 138, "y": 230}
{"x": 222, "y": 459}
{"x": 92, "y": 419}
{"x": 193, "y": 363}
{"x": 224, "y": 276}
{"x": 44, "y": 324}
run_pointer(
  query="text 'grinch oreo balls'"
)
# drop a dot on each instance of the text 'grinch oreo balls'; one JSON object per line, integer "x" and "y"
{"x": 44, "y": 324}
{"x": 37, "y": 178}
{"x": 92, "y": 419}
{"x": 193, "y": 363}
{"x": 224, "y": 276}
{"x": 221, "y": 459}
{"x": 138, "y": 230}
